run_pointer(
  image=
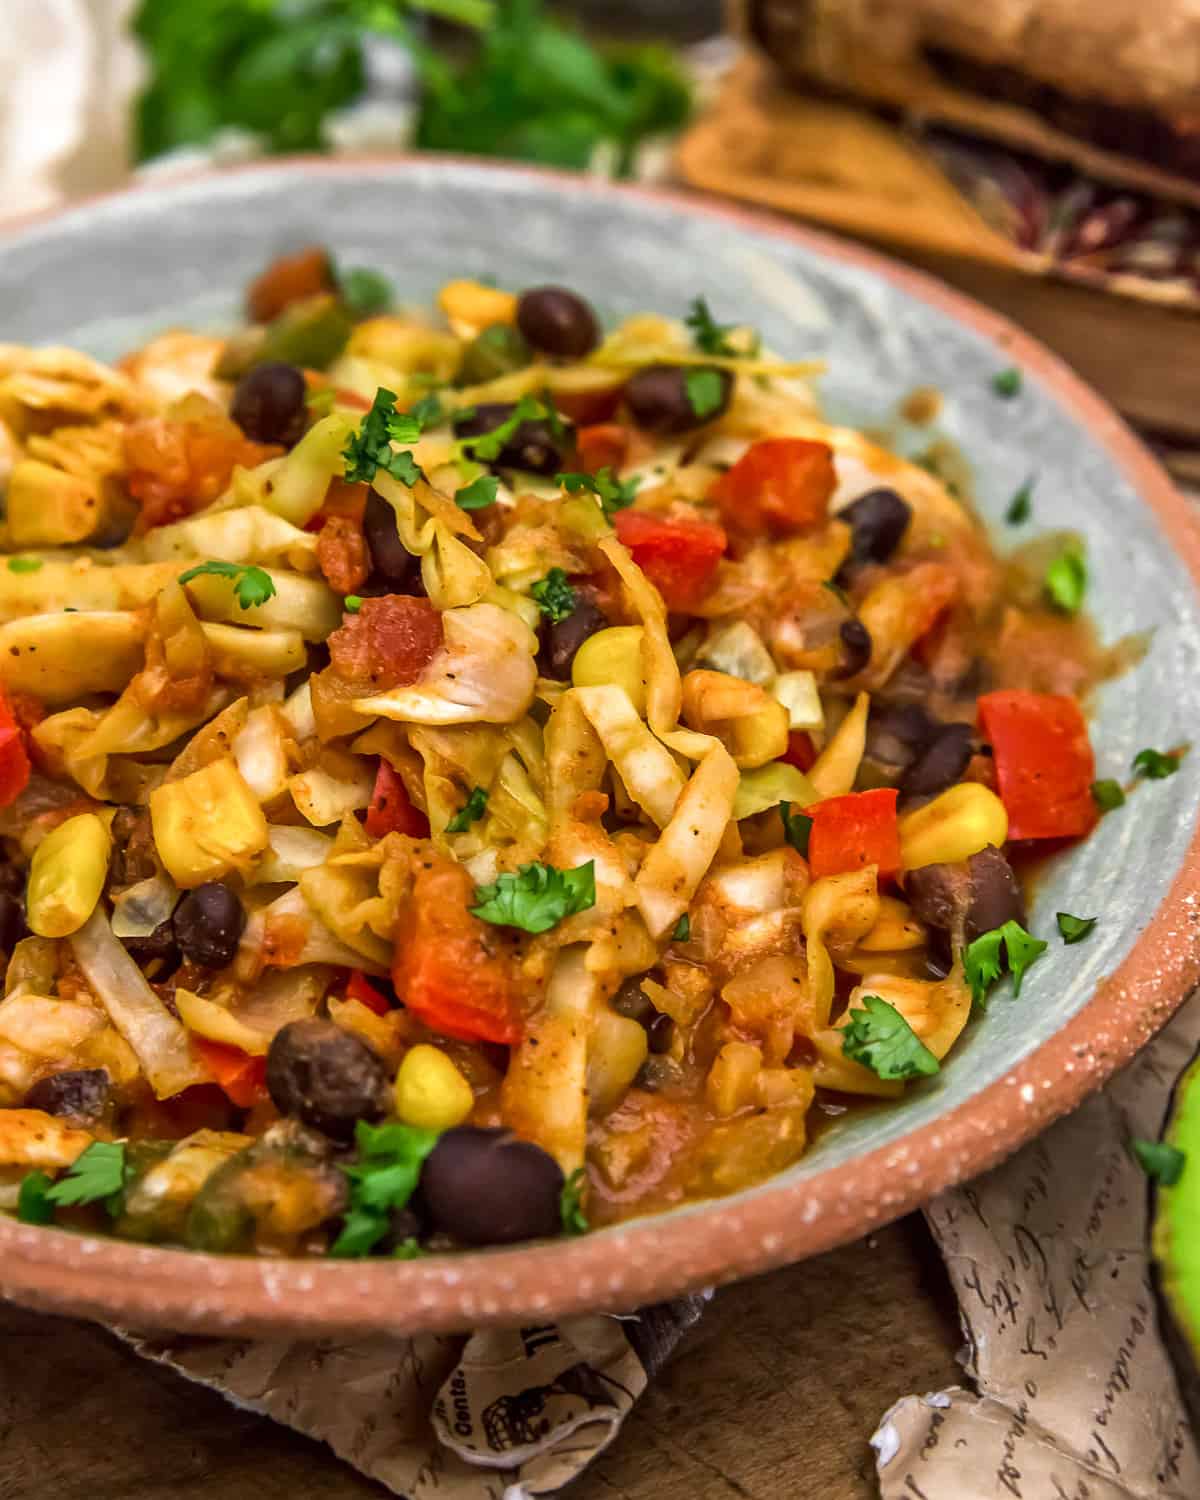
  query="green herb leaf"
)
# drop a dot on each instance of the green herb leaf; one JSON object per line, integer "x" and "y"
{"x": 1020, "y": 507}
{"x": 24, "y": 564}
{"x": 705, "y": 391}
{"x": 34, "y": 1205}
{"x": 364, "y": 291}
{"x": 384, "y": 1178}
{"x": 370, "y": 448}
{"x": 570, "y": 1204}
{"x": 1163, "y": 1162}
{"x": 554, "y": 596}
{"x": 470, "y": 812}
{"x": 480, "y": 493}
{"x": 878, "y": 1037}
{"x": 488, "y": 446}
{"x": 352, "y": 603}
{"x": 428, "y": 411}
{"x": 405, "y": 468}
{"x": 682, "y": 932}
{"x": 1009, "y": 947}
{"x": 1007, "y": 383}
{"x": 1074, "y": 929}
{"x": 1108, "y": 794}
{"x": 709, "y": 336}
{"x": 796, "y": 828}
{"x": 1066, "y": 581}
{"x": 538, "y": 897}
{"x": 1155, "y": 765}
{"x": 252, "y": 587}
{"x": 97, "y": 1173}
{"x": 613, "y": 494}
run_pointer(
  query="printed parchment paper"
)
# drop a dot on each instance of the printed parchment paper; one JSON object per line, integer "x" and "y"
{"x": 1048, "y": 1257}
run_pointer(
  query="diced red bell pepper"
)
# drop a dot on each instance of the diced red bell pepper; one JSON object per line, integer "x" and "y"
{"x": 450, "y": 968}
{"x": 602, "y": 446}
{"x": 391, "y": 809}
{"x": 14, "y": 761}
{"x": 242, "y": 1077}
{"x": 677, "y": 554}
{"x": 1044, "y": 763}
{"x": 853, "y": 831}
{"x": 360, "y": 988}
{"x": 801, "y": 752}
{"x": 780, "y": 486}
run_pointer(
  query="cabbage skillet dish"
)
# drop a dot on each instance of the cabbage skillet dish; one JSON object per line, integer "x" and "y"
{"x": 467, "y": 778}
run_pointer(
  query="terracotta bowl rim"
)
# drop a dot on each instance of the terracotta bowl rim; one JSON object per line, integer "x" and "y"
{"x": 703, "y": 1245}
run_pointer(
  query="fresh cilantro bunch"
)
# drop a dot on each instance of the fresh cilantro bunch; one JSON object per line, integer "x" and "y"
{"x": 538, "y": 897}
{"x": 878, "y": 1037}
{"x": 470, "y": 812}
{"x": 381, "y": 1182}
{"x": 97, "y": 1175}
{"x": 613, "y": 494}
{"x": 1004, "y": 949}
{"x": 252, "y": 587}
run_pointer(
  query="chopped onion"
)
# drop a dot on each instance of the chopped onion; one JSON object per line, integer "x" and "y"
{"x": 797, "y": 691}
{"x": 140, "y": 908}
{"x": 737, "y": 648}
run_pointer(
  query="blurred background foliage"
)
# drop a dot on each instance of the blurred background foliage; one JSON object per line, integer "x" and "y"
{"x": 487, "y": 77}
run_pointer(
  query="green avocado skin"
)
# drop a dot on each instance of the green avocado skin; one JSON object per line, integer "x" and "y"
{"x": 1175, "y": 1245}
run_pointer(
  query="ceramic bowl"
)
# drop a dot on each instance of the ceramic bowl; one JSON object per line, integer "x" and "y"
{"x": 113, "y": 271}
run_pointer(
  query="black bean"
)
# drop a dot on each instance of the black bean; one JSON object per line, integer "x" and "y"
{"x": 77, "y": 1094}
{"x": 390, "y": 557}
{"x": 856, "y": 647}
{"x": 940, "y": 763}
{"x": 670, "y": 398}
{"x": 534, "y": 445}
{"x": 208, "y": 924}
{"x": 996, "y": 895}
{"x": 968, "y": 898}
{"x": 327, "y": 1077}
{"x": 631, "y": 1000}
{"x": 879, "y": 520}
{"x": 896, "y": 732}
{"x": 486, "y": 1186}
{"x": 12, "y": 921}
{"x": 658, "y": 1073}
{"x": 498, "y": 350}
{"x": 557, "y": 322}
{"x": 939, "y": 895}
{"x": 269, "y": 404}
{"x": 157, "y": 948}
{"x": 562, "y": 639}
{"x": 661, "y": 1032}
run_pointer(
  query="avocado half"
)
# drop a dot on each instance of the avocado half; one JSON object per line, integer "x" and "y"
{"x": 1175, "y": 1243}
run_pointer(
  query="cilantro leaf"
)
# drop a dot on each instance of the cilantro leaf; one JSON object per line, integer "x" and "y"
{"x": 570, "y": 1204}
{"x": 1074, "y": 929}
{"x": 1108, "y": 794}
{"x": 796, "y": 828}
{"x": 24, "y": 564}
{"x": 613, "y": 494}
{"x": 878, "y": 1037}
{"x": 428, "y": 411}
{"x": 370, "y": 448}
{"x": 1066, "y": 581}
{"x": 364, "y": 291}
{"x": 381, "y": 1182}
{"x": 470, "y": 812}
{"x": 554, "y": 596}
{"x": 1020, "y": 507}
{"x": 538, "y": 897}
{"x": 352, "y": 603}
{"x": 1155, "y": 765}
{"x": 1004, "y": 948}
{"x": 705, "y": 391}
{"x": 97, "y": 1172}
{"x": 479, "y": 493}
{"x": 1159, "y": 1160}
{"x": 1007, "y": 383}
{"x": 682, "y": 932}
{"x": 488, "y": 446}
{"x": 33, "y": 1199}
{"x": 252, "y": 586}
{"x": 709, "y": 336}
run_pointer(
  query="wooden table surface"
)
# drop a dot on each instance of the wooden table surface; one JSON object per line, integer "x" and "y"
{"x": 772, "y": 1397}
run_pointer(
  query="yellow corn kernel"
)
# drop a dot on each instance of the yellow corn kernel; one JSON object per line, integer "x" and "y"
{"x": 207, "y": 824}
{"x": 759, "y": 738}
{"x": 732, "y": 1081}
{"x": 67, "y": 875}
{"x": 470, "y": 307}
{"x": 958, "y": 823}
{"x": 430, "y": 1092}
{"x": 613, "y": 656}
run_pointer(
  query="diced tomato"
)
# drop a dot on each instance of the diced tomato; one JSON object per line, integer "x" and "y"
{"x": 677, "y": 554}
{"x": 14, "y": 761}
{"x": 360, "y": 988}
{"x": 801, "y": 752}
{"x": 780, "y": 486}
{"x": 1044, "y": 763}
{"x": 342, "y": 554}
{"x": 341, "y": 499}
{"x": 851, "y": 832}
{"x": 242, "y": 1077}
{"x": 602, "y": 446}
{"x": 587, "y": 407}
{"x": 388, "y": 643}
{"x": 450, "y": 969}
{"x": 289, "y": 279}
{"x": 391, "y": 809}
